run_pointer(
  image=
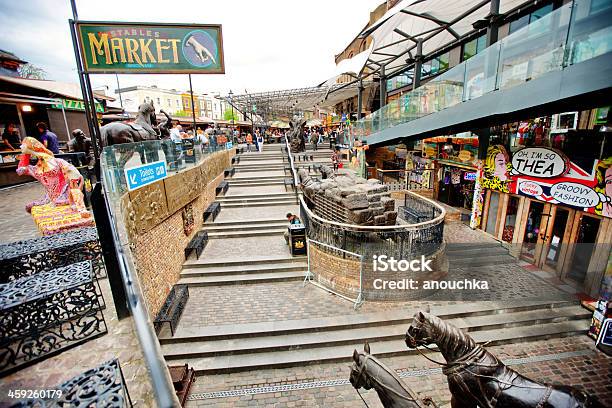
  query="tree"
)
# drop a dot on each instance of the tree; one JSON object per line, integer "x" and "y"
{"x": 230, "y": 115}
{"x": 30, "y": 71}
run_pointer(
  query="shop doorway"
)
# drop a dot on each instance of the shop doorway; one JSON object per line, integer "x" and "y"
{"x": 582, "y": 252}
{"x": 534, "y": 237}
{"x": 555, "y": 239}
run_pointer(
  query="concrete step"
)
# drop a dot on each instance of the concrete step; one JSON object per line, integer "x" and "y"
{"x": 257, "y": 178}
{"x": 243, "y": 222}
{"x": 214, "y": 356}
{"x": 241, "y": 279}
{"x": 247, "y": 233}
{"x": 473, "y": 247}
{"x": 241, "y": 197}
{"x": 304, "y": 340}
{"x": 245, "y": 269}
{"x": 467, "y": 261}
{"x": 373, "y": 319}
{"x": 476, "y": 252}
{"x": 239, "y": 183}
{"x": 258, "y": 203}
{"x": 237, "y": 262}
{"x": 283, "y": 224}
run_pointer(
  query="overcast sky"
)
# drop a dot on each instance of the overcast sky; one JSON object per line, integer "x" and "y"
{"x": 268, "y": 44}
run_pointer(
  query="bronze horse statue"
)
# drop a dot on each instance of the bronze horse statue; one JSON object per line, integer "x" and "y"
{"x": 144, "y": 127}
{"x": 296, "y": 139}
{"x": 476, "y": 377}
{"x": 368, "y": 372}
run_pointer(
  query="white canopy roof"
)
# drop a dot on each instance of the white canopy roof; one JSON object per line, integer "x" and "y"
{"x": 437, "y": 22}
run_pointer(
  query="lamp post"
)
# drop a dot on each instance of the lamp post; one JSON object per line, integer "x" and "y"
{"x": 232, "y": 105}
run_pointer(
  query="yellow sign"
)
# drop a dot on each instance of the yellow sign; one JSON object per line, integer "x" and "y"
{"x": 465, "y": 155}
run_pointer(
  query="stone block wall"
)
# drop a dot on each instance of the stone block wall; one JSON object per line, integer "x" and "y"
{"x": 154, "y": 221}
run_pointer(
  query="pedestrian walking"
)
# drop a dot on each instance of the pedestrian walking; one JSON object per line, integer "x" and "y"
{"x": 335, "y": 159}
{"x": 260, "y": 142}
{"x": 249, "y": 141}
{"x": 314, "y": 139}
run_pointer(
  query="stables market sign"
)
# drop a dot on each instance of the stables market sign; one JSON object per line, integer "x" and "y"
{"x": 151, "y": 48}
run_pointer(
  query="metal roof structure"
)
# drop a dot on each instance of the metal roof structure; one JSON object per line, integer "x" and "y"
{"x": 428, "y": 24}
{"x": 286, "y": 103}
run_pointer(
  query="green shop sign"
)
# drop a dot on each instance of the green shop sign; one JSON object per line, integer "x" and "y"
{"x": 71, "y": 104}
{"x": 151, "y": 48}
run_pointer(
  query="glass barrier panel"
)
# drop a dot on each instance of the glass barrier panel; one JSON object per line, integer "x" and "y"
{"x": 481, "y": 72}
{"x": 534, "y": 50}
{"x": 590, "y": 33}
{"x": 178, "y": 156}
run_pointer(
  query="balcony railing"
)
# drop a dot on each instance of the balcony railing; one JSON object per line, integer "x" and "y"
{"x": 572, "y": 34}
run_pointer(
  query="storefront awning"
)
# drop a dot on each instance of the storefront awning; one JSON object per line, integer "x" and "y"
{"x": 65, "y": 89}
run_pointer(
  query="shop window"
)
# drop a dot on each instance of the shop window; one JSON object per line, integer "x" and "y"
{"x": 532, "y": 230}
{"x": 510, "y": 218}
{"x": 587, "y": 235}
{"x": 527, "y": 19}
{"x": 494, "y": 202}
{"x": 473, "y": 47}
{"x": 443, "y": 61}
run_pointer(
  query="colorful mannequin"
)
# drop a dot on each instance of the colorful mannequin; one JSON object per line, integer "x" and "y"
{"x": 61, "y": 179}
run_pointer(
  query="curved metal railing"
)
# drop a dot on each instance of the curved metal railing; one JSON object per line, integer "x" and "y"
{"x": 402, "y": 241}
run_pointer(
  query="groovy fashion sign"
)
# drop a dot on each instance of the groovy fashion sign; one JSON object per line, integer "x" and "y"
{"x": 151, "y": 48}
{"x": 548, "y": 175}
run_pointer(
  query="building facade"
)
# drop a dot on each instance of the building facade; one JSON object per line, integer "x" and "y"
{"x": 539, "y": 183}
{"x": 167, "y": 99}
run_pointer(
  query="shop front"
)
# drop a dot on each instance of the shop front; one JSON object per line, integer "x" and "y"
{"x": 552, "y": 205}
{"x": 454, "y": 169}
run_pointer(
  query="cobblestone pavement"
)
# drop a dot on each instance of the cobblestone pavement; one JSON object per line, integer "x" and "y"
{"x": 570, "y": 361}
{"x": 15, "y": 223}
{"x": 120, "y": 341}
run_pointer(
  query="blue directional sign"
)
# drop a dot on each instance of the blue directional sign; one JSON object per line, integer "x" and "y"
{"x": 146, "y": 174}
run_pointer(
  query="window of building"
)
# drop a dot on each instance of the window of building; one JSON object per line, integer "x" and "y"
{"x": 178, "y": 103}
{"x": 527, "y": 19}
{"x": 158, "y": 101}
{"x": 169, "y": 102}
{"x": 474, "y": 46}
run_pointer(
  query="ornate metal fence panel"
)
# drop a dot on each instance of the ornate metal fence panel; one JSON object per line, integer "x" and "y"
{"x": 28, "y": 257}
{"x": 103, "y": 386}
{"x": 47, "y": 312}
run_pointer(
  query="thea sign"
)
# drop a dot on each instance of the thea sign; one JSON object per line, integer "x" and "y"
{"x": 151, "y": 48}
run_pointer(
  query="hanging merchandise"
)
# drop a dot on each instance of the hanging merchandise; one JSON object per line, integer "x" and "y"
{"x": 455, "y": 176}
{"x": 447, "y": 176}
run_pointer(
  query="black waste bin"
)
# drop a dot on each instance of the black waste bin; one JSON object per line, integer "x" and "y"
{"x": 297, "y": 239}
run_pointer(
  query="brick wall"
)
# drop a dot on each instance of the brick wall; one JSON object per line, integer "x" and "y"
{"x": 159, "y": 252}
{"x": 335, "y": 272}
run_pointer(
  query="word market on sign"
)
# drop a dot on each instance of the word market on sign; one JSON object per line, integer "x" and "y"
{"x": 539, "y": 162}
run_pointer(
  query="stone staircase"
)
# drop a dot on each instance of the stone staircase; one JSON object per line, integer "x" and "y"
{"x": 240, "y": 347}
{"x": 202, "y": 273}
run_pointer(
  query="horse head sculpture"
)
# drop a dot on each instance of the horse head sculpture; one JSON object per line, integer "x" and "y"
{"x": 477, "y": 377}
{"x": 368, "y": 372}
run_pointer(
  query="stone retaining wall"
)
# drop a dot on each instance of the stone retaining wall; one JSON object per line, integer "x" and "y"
{"x": 157, "y": 217}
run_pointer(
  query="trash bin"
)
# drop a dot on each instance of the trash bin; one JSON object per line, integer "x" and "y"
{"x": 297, "y": 239}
